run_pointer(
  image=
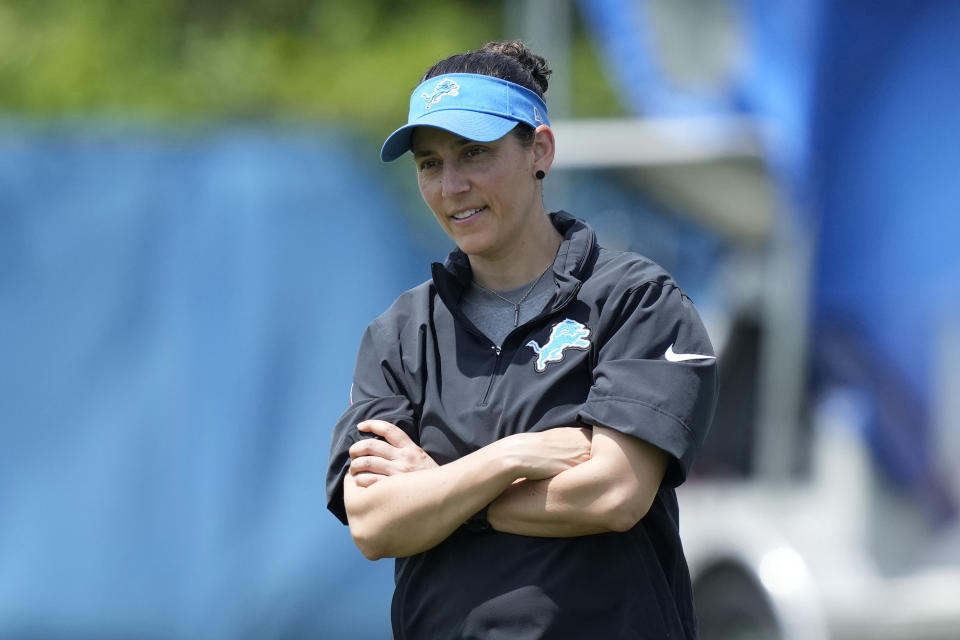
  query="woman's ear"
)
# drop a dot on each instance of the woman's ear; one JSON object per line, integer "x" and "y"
{"x": 544, "y": 147}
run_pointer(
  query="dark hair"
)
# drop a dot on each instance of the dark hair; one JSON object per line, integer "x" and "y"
{"x": 509, "y": 60}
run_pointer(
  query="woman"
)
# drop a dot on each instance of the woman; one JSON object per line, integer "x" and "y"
{"x": 518, "y": 423}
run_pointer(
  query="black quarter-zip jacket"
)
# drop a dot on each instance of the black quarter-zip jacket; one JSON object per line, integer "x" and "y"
{"x": 618, "y": 345}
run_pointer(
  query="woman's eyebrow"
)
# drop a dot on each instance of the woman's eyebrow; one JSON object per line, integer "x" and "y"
{"x": 459, "y": 142}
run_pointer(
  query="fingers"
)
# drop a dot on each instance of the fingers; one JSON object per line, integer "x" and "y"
{"x": 368, "y": 459}
{"x": 404, "y": 461}
{"x": 397, "y": 454}
{"x": 373, "y": 464}
{"x": 366, "y": 479}
{"x": 387, "y": 430}
{"x": 373, "y": 447}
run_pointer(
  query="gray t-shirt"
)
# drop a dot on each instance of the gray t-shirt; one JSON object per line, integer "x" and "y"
{"x": 494, "y": 316}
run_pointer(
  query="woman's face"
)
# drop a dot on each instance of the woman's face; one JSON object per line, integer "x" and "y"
{"x": 484, "y": 194}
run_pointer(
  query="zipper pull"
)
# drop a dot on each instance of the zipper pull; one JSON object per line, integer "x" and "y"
{"x": 496, "y": 349}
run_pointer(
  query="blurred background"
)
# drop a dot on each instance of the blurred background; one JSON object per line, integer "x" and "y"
{"x": 195, "y": 229}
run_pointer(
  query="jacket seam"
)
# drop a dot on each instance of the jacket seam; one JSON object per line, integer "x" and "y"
{"x": 642, "y": 403}
{"x": 653, "y": 281}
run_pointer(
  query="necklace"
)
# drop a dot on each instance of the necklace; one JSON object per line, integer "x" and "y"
{"x": 516, "y": 305}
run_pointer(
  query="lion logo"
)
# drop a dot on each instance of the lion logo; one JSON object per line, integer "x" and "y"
{"x": 566, "y": 334}
{"x": 445, "y": 87}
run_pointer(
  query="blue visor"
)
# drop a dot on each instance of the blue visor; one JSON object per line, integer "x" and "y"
{"x": 474, "y": 106}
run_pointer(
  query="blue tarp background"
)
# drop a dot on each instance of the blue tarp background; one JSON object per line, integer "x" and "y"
{"x": 861, "y": 102}
{"x": 885, "y": 170}
{"x": 178, "y": 324}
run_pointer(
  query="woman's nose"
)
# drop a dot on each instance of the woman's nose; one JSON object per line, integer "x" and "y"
{"x": 453, "y": 181}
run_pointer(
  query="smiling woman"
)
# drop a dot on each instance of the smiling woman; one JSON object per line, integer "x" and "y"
{"x": 484, "y": 197}
{"x": 516, "y": 430}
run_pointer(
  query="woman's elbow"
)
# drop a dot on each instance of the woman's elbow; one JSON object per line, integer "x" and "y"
{"x": 369, "y": 552}
{"x": 369, "y": 545}
{"x": 627, "y": 509}
{"x": 623, "y": 519}
{"x": 365, "y": 533}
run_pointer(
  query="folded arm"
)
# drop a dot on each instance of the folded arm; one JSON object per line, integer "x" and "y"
{"x": 610, "y": 492}
{"x": 399, "y": 502}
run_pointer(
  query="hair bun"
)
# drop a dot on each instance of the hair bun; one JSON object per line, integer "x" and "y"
{"x": 536, "y": 65}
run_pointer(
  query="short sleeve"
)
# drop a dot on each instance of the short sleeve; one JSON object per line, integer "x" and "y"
{"x": 655, "y": 377}
{"x": 375, "y": 394}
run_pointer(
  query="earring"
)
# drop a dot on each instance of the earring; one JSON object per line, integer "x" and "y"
{"x": 540, "y": 175}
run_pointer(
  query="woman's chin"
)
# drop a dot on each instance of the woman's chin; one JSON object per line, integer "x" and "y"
{"x": 474, "y": 246}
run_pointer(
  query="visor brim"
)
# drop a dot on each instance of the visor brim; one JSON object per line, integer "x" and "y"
{"x": 472, "y": 125}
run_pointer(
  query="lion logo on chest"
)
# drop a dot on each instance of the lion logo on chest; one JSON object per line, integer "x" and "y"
{"x": 566, "y": 334}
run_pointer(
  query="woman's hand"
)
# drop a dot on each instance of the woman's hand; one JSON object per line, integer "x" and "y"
{"x": 400, "y": 502}
{"x": 610, "y": 492}
{"x": 372, "y": 459}
{"x": 544, "y": 454}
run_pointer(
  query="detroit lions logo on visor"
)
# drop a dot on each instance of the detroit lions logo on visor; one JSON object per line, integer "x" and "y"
{"x": 445, "y": 87}
{"x": 566, "y": 334}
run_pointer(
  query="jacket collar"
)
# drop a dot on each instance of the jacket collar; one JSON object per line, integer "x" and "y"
{"x": 570, "y": 266}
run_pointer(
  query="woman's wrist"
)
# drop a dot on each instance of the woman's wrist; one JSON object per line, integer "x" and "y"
{"x": 510, "y": 456}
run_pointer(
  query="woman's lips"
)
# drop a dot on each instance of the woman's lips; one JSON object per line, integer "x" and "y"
{"x": 467, "y": 214}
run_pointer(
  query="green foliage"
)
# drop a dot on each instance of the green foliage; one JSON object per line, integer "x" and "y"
{"x": 176, "y": 60}
{"x": 593, "y": 95}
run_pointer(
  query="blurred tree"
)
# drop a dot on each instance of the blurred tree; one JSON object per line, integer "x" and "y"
{"x": 260, "y": 59}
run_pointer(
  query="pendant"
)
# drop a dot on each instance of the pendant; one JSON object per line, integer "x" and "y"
{"x": 516, "y": 315}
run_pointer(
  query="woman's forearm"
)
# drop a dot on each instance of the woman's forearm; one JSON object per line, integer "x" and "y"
{"x": 574, "y": 503}
{"x": 610, "y": 492}
{"x": 403, "y": 512}
{"x": 408, "y": 513}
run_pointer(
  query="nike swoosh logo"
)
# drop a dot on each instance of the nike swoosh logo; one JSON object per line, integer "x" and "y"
{"x": 673, "y": 356}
